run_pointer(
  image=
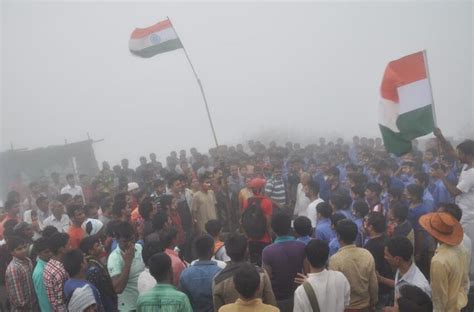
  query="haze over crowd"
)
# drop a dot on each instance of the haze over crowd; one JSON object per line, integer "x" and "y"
{"x": 298, "y": 70}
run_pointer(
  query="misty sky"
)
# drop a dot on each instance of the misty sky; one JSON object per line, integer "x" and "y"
{"x": 291, "y": 70}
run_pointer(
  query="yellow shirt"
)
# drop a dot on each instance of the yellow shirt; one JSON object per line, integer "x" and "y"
{"x": 449, "y": 278}
{"x": 358, "y": 266}
{"x": 250, "y": 306}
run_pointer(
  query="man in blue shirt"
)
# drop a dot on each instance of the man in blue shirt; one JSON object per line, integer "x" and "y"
{"x": 440, "y": 192}
{"x": 324, "y": 230}
{"x": 423, "y": 180}
{"x": 196, "y": 280}
{"x": 414, "y": 195}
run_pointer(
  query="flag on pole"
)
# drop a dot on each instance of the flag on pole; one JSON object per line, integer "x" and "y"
{"x": 406, "y": 105}
{"x": 153, "y": 40}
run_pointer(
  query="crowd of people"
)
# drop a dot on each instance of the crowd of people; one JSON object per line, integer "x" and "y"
{"x": 331, "y": 226}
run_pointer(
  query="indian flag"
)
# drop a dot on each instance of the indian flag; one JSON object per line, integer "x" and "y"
{"x": 153, "y": 40}
{"x": 406, "y": 108}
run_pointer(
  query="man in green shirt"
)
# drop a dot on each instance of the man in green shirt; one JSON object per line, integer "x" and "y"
{"x": 41, "y": 248}
{"x": 163, "y": 297}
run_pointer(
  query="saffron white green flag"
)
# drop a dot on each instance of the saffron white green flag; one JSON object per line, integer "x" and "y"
{"x": 406, "y": 105}
{"x": 153, "y": 40}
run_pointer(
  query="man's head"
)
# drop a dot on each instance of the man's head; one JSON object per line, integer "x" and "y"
{"x": 124, "y": 163}
{"x": 422, "y": 179}
{"x": 357, "y": 192}
{"x": 74, "y": 262}
{"x": 375, "y": 224}
{"x": 24, "y": 230}
{"x": 466, "y": 151}
{"x": 205, "y": 181}
{"x": 18, "y": 247}
{"x": 34, "y": 188}
{"x": 12, "y": 207}
{"x": 213, "y": 228}
{"x": 398, "y": 213}
{"x": 281, "y": 224}
{"x": 42, "y": 202}
{"x": 360, "y": 208}
{"x": 332, "y": 175}
{"x": 413, "y": 299}
{"x": 160, "y": 268}
{"x": 56, "y": 208}
{"x": 452, "y": 209}
{"x": 324, "y": 210}
{"x": 346, "y": 231}
{"x": 168, "y": 237}
{"x": 174, "y": 184}
{"x": 153, "y": 157}
{"x": 311, "y": 189}
{"x": 430, "y": 155}
{"x": 204, "y": 245}
{"x": 70, "y": 180}
{"x": 146, "y": 209}
{"x": 125, "y": 236}
{"x": 92, "y": 246}
{"x": 394, "y": 194}
{"x": 303, "y": 226}
{"x": 59, "y": 244}
{"x": 65, "y": 199}
{"x": 236, "y": 247}
{"x": 373, "y": 191}
{"x": 247, "y": 281}
{"x": 317, "y": 253}
{"x": 160, "y": 220}
{"x": 414, "y": 193}
{"x": 143, "y": 160}
{"x": 76, "y": 214}
{"x": 41, "y": 248}
{"x": 398, "y": 251}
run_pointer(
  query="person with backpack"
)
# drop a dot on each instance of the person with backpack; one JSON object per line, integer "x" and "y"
{"x": 255, "y": 221}
{"x": 323, "y": 290}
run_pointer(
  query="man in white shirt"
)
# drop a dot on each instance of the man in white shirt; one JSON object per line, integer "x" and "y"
{"x": 36, "y": 217}
{"x": 311, "y": 191}
{"x": 58, "y": 218}
{"x": 464, "y": 190}
{"x": 399, "y": 254}
{"x": 331, "y": 288}
{"x": 302, "y": 201}
{"x": 71, "y": 187}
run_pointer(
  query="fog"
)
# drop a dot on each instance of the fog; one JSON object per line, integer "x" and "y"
{"x": 283, "y": 70}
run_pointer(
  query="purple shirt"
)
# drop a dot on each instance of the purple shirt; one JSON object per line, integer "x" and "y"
{"x": 285, "y": 258}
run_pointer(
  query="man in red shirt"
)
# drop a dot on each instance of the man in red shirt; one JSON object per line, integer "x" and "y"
{"x": 76, "y": 232}
{"x": 256, "y": 245}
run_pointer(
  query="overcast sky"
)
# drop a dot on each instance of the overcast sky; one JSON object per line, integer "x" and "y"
{"x": 292, "y": 70}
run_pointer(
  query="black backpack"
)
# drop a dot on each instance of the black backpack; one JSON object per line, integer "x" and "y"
{"x": 253, "y": 220}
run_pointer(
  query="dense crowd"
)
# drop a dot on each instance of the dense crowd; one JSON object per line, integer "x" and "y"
{"x": 331, "y": 226}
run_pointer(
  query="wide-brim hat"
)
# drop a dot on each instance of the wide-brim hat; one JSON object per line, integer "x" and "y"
{"x": 443, "y": 226}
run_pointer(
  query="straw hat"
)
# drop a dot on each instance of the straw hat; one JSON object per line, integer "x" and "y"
{"x": 443, "y": 226}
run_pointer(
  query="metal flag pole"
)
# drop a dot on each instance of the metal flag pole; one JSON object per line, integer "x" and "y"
{"x": 200, "y": 86}
{"x": 425, "y": 59}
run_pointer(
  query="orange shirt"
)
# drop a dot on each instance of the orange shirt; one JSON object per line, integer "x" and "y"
{"x": 76, "y": 234}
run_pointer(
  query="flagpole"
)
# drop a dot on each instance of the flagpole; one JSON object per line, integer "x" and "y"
{"x": 200, "y": 86}
{"x": 425, "y": 58}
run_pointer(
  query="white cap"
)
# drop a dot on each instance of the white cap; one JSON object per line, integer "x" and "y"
{"x": 132, "y": 186}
